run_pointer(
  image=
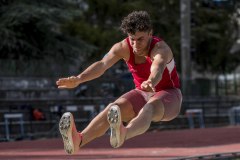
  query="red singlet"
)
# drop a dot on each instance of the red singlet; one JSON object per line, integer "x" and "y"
{"x": 141, "y": 72}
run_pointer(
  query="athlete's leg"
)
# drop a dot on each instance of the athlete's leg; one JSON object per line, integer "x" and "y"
{"x": 97, "y": 127}
{"x": 152, "y": 111}
{"x": 137, "y": 125}
{"x": 137, "y": 101}
{"x": 172, "y": 101}
{"x": 129, "y": 105}
{"x": 164, "y": 106}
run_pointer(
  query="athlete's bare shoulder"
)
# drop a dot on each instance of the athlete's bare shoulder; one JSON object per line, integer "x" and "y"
{"x": 121, "y": 49}
{"x": 162, "y": 48}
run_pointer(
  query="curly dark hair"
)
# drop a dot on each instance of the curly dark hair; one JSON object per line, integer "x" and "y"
{"x": 136, "y": 21}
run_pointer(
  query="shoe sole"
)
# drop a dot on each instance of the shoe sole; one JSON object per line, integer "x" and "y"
{"x": 114, "y": 119}
{"x": 65, "y": 128}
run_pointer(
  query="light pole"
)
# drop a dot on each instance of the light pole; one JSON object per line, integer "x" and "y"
{"x": 185, "y": 9}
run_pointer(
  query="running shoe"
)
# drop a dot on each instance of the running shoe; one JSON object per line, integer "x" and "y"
{"x": 65, "y": 128}
{"x": 114, "y": 119}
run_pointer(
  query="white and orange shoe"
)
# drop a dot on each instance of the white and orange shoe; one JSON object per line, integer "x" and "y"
{"x": 115, "y": 122}
{"x": 66, "y": 128}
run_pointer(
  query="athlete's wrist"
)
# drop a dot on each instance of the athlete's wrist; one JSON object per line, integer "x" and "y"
{"x": 151, "y": 81}
{"x": 79, "y": 79}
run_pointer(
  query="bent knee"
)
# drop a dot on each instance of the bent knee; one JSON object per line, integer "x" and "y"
{"x": 156, "y": 109}
{"x": 106, "y": 109}
{"x": 171, "y": 113}
{"x": 126, "y": 109}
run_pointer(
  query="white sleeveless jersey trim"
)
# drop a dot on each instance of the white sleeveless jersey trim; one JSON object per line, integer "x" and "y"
{"x": 170, "y": 67}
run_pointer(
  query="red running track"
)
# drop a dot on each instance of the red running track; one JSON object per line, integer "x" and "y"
{"x": 152, "y": 145}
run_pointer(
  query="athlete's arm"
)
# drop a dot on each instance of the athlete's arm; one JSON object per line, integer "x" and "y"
{"x": 95, "y": 70}
{"x": 160, "y": 55}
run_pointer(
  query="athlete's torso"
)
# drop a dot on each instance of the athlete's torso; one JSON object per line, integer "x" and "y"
{"x": 141, "y": 72}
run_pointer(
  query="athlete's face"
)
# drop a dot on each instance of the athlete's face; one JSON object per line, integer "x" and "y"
{"x": 140, "y": 42}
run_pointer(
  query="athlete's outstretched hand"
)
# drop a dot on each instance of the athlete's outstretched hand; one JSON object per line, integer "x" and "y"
{"x": 70, "y": 82}
{"x": 148, "y": 86}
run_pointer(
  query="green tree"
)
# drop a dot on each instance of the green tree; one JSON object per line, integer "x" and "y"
{"x": 32, "y": 35}
{"x": 100, "y": 23}
{"x": 214, "y": 33}
{"x": 59, "y": 31}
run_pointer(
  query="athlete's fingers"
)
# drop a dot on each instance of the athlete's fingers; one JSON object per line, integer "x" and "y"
{"x": 64, "y": 80}
{"x": 151, "y": 86}
{"x": 61, "y": 81}
{"x": 58, "y": 82}
{"x": 73, "y": 77}
{"x": 149, "y": 82}
{"x": 144, "y": 85}
{"x": 62, "y": 87}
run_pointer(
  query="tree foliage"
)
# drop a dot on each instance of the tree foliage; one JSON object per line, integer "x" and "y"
{"x": 214, "y": 28}
{"x": 62, "y": 30}
{"x": 214, "y": 33}
{"x": 101, "y": 21}
{"x": 32, "y": 31}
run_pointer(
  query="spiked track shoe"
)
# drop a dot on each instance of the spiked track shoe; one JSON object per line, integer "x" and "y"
{"x": 65, "y": 128}
{"x": 114, "y": 119}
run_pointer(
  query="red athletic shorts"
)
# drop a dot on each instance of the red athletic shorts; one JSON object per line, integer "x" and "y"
{"x": 170, "y": 98}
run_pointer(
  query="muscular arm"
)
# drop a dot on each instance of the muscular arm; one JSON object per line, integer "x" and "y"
{"x": 98, "y": 68}
{"x": 95, "y": 70}
{"x": 160, "y": 55}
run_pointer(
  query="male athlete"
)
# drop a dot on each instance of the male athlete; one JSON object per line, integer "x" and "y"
{"x": 157, "y": 96}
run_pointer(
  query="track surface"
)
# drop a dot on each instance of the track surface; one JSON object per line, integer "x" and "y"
{"x": 152, "y": 145}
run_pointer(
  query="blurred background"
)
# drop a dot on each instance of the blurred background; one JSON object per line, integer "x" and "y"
{"x": 42, "y": 41}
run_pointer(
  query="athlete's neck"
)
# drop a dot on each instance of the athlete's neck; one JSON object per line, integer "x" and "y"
{"x": 148, "y": 47}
